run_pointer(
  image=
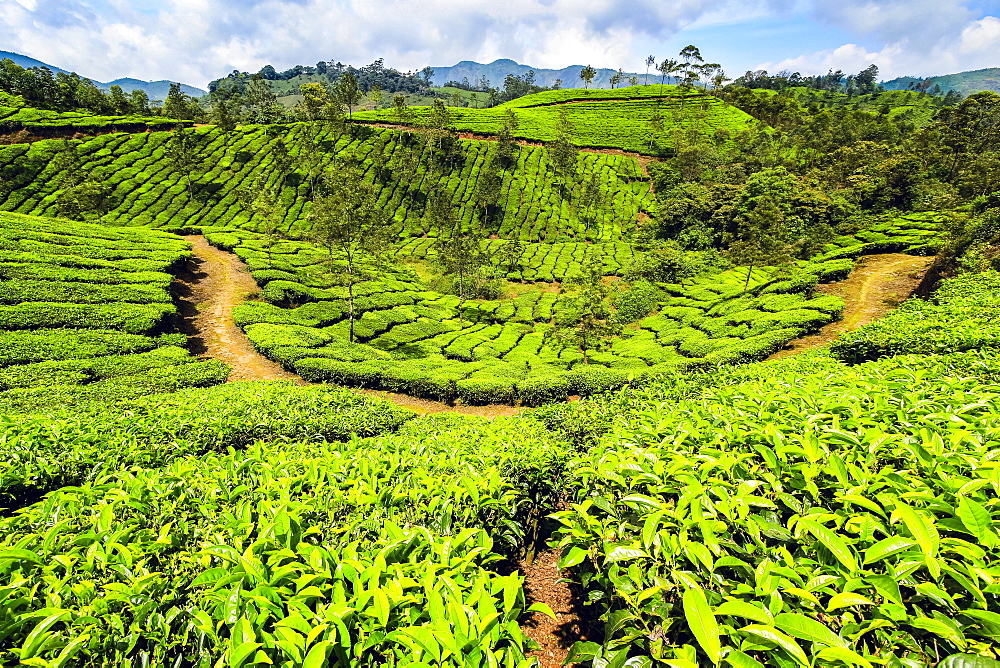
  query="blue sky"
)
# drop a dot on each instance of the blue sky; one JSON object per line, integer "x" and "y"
{"x": 198, "y": 40}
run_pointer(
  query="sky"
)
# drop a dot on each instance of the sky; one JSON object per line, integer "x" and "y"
{"x": 195, "y": 41}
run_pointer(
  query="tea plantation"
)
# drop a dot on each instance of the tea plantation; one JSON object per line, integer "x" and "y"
{"x": 611, "y": 119}
{"x": 837, "y": 508}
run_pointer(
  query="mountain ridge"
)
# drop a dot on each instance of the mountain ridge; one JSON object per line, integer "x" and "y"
{"x": 157, "y": 90}
{"x": 500, "y": 68}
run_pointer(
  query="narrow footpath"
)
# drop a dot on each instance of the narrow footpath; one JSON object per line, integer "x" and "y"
{"x": 215, "y": 282}
{"x": 878, "y": 284}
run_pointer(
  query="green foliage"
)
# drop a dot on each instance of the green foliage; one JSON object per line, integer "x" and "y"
{"x": 796, "y": 523}
{"x": 962, "y": 315}
{"x": 85, "y": 312}
{"x": 600, "y": 118}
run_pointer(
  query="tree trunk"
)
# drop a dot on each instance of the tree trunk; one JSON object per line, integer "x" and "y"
{"x": 747, "y": 284}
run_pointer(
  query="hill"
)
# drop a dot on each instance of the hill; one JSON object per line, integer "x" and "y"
{"x": 156, "y": 90}
{"x": 608, "y": 119}
{"x": 965, "y": 83}
{"x": 496, "y": 71}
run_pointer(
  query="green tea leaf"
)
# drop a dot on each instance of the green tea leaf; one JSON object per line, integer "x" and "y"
{"x": 975, "y": 517}
{"x": 806, "y": 628}
{"x": 832, "y": 542}
{"x": 886, "y": 548}
{"x": 846, "y": 599}
{"x": 702, "y": 623}
{"x": 743, "y": 609}
{"x": 780, "y": 639}
{"x": 575, "y": 556}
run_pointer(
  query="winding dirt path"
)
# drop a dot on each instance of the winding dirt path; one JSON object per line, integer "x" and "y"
{"x": 544, "y": 583}
{"x": 214, "y": 283}
{"x": 878, "y": 284}
{"x": 218, "y": 282}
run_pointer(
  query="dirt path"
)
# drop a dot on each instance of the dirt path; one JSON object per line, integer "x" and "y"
{"x": 555, "y": 637}
{"x": 217, "y": 282}
{"x": 877, "y": 285}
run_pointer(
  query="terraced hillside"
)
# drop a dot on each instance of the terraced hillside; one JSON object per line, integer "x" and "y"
{"x": 608, "y": 119}
{"x": 416, "y": 341}
{"x": 16, "y": 116}
{"x": 86, "y": 311}
{"x": 146, "y": 187}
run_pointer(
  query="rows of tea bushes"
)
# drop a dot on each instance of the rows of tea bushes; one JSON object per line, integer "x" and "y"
{"x": 46, "y": 446}
{"x": 619, "y": 119}
{"x": 793, "y": 513}
{"x": 913, "y": 233}
{"x": 88, "y": 306}
{"x": 816, "y": 514}
{"x": 146, "y": 188}
{"x": 371, "y": 552}
{"x": 963, "y": 314}
{"x": 419, "y": 342}
{"x": 539, "y": 261}
{"x": 15, "y": 116}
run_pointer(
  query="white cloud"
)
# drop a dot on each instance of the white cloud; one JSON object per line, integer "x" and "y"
{"x": 971, "y": 46}
{"x": 198, "y": 40}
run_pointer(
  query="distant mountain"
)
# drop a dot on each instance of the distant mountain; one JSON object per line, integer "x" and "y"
{"x": 965, "y": 83}
{"x": 498, "y": 70}
{"x": 25, "y": 61}
{"x": 156, "y": 90}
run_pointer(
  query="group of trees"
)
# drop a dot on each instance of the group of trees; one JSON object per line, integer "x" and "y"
{"x": 59, "y": 91}
{"x": 368, "y": 77}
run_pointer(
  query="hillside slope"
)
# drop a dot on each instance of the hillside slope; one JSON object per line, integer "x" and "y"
{"x": 622, "y": 119}
{"x": 965, "y": 83}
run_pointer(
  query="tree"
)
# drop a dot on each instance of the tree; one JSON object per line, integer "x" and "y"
{"x": 562, "y": 153}
{"x": 139, "y": 101}
{"x": 226, "y": 104}
{"x": 650, "y": 60}
{"x": 970, "y": 128}
{"x": 262, "y": 104}
{"x": 662, "y": 261}
{"x": 506, "y": 144}
{"x": 118, "y": 101}
{"x": 761, "y": 238}
{"x": 587, "y": 74}
{"x": 261, "y": 202}
{"x": 349, "y": 224}
{"x": 488, "y": 187}
{"x": 400, "y": 108}
{"x": 348, "y": 91}
{"x": 375, "y": 94}
{"x": 616, "y": 78}
{"x": 459, "y": 250}
{"x": 583, "y": 318}
{"x": 311, "y": 157}
{"x": 176, "y": 105}
{"x": 180, "y": 152}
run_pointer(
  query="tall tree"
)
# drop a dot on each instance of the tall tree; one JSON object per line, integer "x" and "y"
{"x": 226, "y": 105}
{"x": 180, "y": 150}
{"x": 562, "y": 153}
{"x": 348, "y": 91}
{"x": 261, "y": 102}
{"x": 650, "y": 60}
{"x": 261, "y": 201}
{"x": 176, "y": 104}
{"x": 350, "y": 225}
{"x": 617, "y": 78}
{"x": 583, "y": 317}
{"x": 761, "y": 238}
{"x": 587, "y": 74}
{"x": 506, "y": 144}
{"x": 459, "y": 250}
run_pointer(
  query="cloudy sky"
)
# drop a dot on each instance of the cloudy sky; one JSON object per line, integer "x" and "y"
{"x": 195, "y": 41}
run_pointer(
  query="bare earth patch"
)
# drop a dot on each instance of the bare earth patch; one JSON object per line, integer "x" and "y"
{"x": 878, "y": 284}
